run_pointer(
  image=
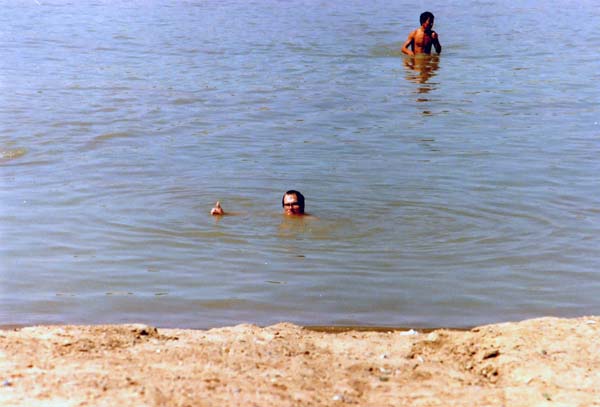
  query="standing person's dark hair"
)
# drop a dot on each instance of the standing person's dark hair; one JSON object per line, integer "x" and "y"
{"x": 426, "y": 15}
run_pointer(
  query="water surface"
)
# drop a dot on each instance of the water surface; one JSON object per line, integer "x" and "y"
{"x": 448, "y": 191}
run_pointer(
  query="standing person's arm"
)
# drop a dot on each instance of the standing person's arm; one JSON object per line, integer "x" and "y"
{"x": 436, "y": 42}
{"x": 410, "y": 41}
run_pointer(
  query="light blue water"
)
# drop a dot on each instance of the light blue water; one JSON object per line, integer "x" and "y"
{"x": 446, "y": 192}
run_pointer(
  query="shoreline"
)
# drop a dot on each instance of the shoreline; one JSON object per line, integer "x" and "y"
{"x": 331, "y": 329}
{"x": 535, "y": 362}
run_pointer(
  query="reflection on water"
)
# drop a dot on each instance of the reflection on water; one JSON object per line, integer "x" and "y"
{"x": 11, "y": 154}
{"x": 421, "y": 68}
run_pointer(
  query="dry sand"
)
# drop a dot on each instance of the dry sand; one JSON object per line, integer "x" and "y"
{"x": 539, "y": 362}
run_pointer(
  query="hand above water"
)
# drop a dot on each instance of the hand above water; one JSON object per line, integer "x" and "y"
{"x": 217, "y": 210}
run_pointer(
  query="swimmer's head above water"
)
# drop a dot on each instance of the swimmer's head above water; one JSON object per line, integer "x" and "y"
{"x": 293, "y": 203}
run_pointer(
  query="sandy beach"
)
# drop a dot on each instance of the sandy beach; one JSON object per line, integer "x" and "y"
{"x": 538, "y": 362}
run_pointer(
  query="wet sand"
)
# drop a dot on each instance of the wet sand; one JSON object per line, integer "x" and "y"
{"x": 538, "y": 362}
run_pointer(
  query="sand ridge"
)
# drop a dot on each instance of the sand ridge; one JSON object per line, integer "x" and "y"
{"x": 538, "y": 362}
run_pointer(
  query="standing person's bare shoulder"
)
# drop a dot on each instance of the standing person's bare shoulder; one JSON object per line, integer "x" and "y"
{"x": 420, "y": 36}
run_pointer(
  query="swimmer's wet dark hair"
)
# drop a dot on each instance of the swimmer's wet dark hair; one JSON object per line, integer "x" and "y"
{"x": 426, "y": 15}
{"x": 298, "y": 195}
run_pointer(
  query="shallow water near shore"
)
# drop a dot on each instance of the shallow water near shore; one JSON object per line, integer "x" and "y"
{"x": 451, "y": 191}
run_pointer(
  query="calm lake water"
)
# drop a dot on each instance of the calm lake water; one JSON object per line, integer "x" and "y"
{"x": 448, "y": 191}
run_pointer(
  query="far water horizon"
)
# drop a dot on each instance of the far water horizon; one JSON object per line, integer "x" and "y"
{"x": 448, "y": 191}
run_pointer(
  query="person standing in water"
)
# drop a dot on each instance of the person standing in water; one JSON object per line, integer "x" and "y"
{"x": 420, "y": 40}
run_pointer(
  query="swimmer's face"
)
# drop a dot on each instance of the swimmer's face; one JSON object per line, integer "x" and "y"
{"x": 291, "y": 205}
